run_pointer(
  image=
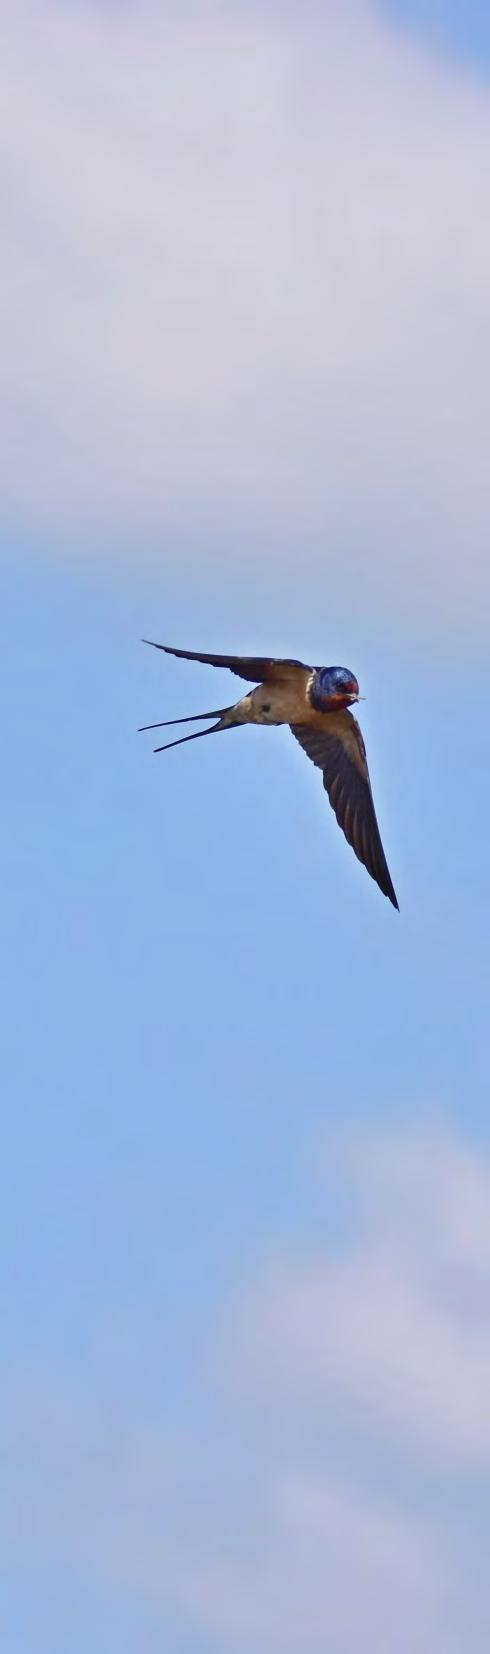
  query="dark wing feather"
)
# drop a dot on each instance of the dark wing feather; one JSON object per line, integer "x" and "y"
{"x": 336, "y": 747}
{"x": 256, "y": 668}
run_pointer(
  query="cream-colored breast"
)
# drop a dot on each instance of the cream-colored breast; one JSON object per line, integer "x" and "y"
{"x": 283, "y": 701}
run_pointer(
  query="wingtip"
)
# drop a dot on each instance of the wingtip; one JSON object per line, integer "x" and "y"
{"x": 386, "y": 887}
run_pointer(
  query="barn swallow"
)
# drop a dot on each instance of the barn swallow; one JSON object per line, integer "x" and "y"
{"x": 314, "y": 701}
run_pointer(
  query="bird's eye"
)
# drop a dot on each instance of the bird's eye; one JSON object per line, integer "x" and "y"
{"x": 266, "y": 706}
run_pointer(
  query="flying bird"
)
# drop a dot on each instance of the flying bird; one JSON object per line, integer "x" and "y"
{"x": 314, "y": 701}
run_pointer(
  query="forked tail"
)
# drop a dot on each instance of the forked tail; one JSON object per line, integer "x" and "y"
{"x": 219, "y": 713}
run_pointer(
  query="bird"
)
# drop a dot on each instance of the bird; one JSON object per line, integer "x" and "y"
{"x": 315, "y": 702}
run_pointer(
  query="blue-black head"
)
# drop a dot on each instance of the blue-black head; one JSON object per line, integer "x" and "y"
{"x": 333, "y": 687}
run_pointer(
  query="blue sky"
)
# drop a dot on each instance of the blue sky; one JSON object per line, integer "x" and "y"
{"x": 246, "y": 1166}
{"x": 462, "y": 30}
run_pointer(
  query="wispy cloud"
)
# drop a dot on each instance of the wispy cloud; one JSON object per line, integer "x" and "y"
{"x": 398, "y": 1322}
{"x": 336, "y": 1502}
{"x": 246, "y": 291}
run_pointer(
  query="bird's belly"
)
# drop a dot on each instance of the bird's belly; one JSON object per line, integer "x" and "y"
{"x": 280, "y": 703}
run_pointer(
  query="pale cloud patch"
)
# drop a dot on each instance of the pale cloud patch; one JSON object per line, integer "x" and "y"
{"x": 266, "y": 1553}
{"x": 398, "y": 1321}
{"x": 338, "y": 1497}
{"x": 246, "y": 294}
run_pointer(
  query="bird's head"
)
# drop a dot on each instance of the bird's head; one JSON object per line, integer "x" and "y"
{"x": 333, "y": 688}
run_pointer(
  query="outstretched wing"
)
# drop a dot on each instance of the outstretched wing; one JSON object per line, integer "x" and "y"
{"x": 256, "y": 668}
{"x": 335, "y": 745}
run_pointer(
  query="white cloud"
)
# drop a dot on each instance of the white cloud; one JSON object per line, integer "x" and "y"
{"x": 281, "y": 1558}
{"x": 397, "y": 1324}
{"x": 246, "y": 296}
{"x": 336, "y": 1500}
